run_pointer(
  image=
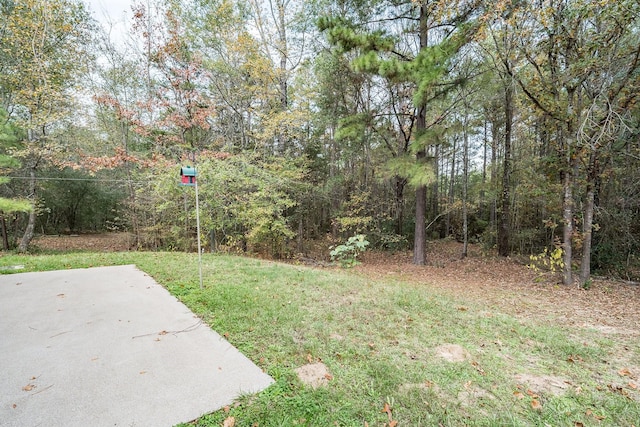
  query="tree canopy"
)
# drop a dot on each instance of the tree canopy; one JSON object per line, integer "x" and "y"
{"x": 513, "y": 124}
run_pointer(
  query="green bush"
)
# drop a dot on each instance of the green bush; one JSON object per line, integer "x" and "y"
{"x": 347, "y": 253}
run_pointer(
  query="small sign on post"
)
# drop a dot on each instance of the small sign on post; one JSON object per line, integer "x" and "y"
{"x": 188, "y": 175}
{"x": 188, "y": 178}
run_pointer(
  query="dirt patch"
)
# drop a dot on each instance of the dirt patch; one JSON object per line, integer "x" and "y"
{"x": 452, "y": 353}
{"x": 314, "y": 375}
{"x": 471, "y": 395}
{"x": 105, "y": 242}
{"x": 543, "y": 384}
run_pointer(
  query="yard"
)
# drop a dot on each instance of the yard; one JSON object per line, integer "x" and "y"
{"x": 480, "y": 341}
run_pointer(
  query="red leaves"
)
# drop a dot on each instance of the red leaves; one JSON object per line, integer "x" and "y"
{"x": 119, "y": 158}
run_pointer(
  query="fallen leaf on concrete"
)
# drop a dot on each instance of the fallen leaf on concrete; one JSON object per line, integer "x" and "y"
{"x": 28, "y": 387}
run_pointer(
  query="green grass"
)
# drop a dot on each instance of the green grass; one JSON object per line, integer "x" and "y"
{"x": 378, "y": 339}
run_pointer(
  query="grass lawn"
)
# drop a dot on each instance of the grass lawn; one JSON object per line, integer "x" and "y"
{"x": 389, "y": 347}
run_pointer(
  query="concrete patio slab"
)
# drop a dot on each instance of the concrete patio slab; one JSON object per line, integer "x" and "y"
{"x": 110, "y": 347}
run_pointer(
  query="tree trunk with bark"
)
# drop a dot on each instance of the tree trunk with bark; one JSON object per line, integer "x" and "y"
{"x": 504, "y": 226}
{"x": 31, "y": 224}
{"x": 420, "y": 239}
{"x": 587, "y": 227}
{"x": 465, "y": 189}
{"x": 5, "y": 237}
{"x": 400, "y": 184}
{"x": 420, "y": 236}
{"x": 451, "y": 195}
{"x": 567, "y": 232}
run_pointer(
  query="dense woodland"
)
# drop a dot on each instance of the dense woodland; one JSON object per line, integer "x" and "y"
{"x": 513, "y": 124}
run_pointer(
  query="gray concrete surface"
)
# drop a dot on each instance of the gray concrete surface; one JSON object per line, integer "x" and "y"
{"x": 110, "y": 347}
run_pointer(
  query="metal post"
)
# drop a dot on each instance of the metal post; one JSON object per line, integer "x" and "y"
{"x": 198, "y": 227}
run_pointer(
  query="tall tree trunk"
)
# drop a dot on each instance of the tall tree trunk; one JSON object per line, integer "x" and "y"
{"x": 567, "y": 233}
{"x": 494, "y": 177}
{"x": 281, "y": 26}
{"x": 485, "y": 144}
{"x": 133, "y": 211}
{"x": 420, "y": 236}
{"x": 435, "y": 187}
{"x": 452, "y": 179}
{"x": 465, "y": 189}
{"x": 5, "y": 237}
{"x": 420, "y": 239}
{"x": 300, "y": 237}
{"x": 587, "y": 227}
{"x": 284, "y": 51}
{"x": 399, "y": 202}
{"x": 504, "y": 227}
{"x": 585, "y": 265}
{"x": 31, "y": 224}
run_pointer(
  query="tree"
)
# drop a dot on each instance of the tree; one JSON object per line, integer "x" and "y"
{"x": 282, "y": 27}
{"x": 583, "y": 68}
{"x": 9, "y": 137}
{"x": 45, "y": 52}
{"x": 439, "y": 31}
